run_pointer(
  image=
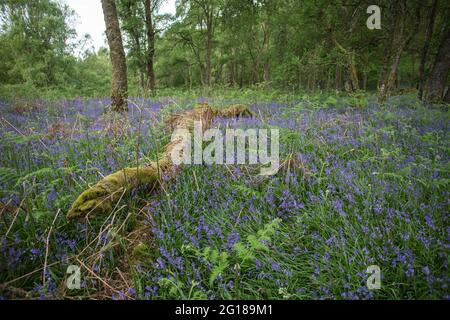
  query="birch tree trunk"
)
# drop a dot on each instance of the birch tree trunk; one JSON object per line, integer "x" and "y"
{"x": 151, "y": 45}
{"x": 119, "y": 92}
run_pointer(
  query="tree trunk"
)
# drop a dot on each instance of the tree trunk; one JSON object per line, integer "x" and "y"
{"x": 426, "y": 46}
{"x": 232, "y": 66}
{"x": 119, "y": 92}
{"x": 241, "y": 76}
{"x": 137, "y": 43}
{"x": 439, "y": 73}
{"x": 400, "y": 43}
{"x": 209, "y": 50}
{"x": 203, "y": 74}
{"x": 266, "y": 52}
{"x": 151, "y": 45}
{"x": 141, "y": 79}
{"x": 255, "y": 72}
{"x": 389, "y": 82}
{"x": 385, "y": 65}
{"x": 190, "y": 76}
{"x": 353, "y": 72}
{"x": 338, "y": 78}
{"x": 267, "y": 70}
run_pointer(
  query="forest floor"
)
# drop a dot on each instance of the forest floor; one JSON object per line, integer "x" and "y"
{"x": 370, "y": 187}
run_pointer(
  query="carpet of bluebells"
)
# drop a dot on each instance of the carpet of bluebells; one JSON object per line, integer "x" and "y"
{"x": 367, "y": 186}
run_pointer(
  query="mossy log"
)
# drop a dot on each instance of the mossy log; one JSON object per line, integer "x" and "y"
{"x": 102, "y": 197}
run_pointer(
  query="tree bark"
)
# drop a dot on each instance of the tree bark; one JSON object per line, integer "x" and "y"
{"x": 385, "y": 65}
{"x": 241, "y": 76}
{"x": 426, "y": 46}
{"x": 233, "y": 69}
{"x": 209, "y": 40}
{"x": 400, "y": 43}
{"x": 388, "y": 82}
{"x": 119, "y": 92}
{"x": 353, "y": 72}
{"x": 255, "y": 72}
{"x": 338, "y": 78}
{"x": 137, "y": 43}
{"x": 266, "y": 52}
{"x": 151, "y": 46}
{"x": 439, "y": 73}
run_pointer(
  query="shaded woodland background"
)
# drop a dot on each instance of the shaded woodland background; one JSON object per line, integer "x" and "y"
{"x": 289, "y": 45}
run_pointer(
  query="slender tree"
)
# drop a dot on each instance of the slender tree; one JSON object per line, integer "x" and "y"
{"x": 150, "y": 6}
{"x": 119, "y": 92}
{"x": 439, "y": 73}
{"x": 426, "y": 46}
{"x": 400, "y": 40}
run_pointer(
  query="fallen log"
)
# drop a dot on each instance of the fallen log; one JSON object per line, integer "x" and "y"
{"x": 102, "y": 197}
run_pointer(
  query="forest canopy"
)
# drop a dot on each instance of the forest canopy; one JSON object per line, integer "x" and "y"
{"x": 287, "y": 44}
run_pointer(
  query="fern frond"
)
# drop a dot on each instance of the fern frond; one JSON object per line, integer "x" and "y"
{"x": 8, "y": 175}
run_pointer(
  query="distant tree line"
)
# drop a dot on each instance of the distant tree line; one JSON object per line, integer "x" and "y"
{"x": 290, "y": 44}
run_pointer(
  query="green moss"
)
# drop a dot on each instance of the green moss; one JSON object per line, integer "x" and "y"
{"x": 101, "y": 197}
{"x": 141, "y": 251}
